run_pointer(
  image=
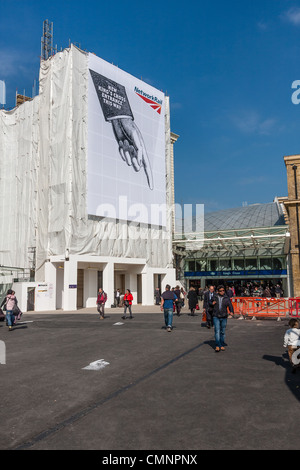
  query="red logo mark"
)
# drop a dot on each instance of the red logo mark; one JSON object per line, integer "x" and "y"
{"x": 153, "y": 104}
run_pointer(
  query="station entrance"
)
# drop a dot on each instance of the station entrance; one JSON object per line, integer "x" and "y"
{"x": 241, "y": 285}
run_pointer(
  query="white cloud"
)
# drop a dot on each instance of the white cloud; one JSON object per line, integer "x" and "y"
{"x": 292, "y": 16}
{"x": 262, "y": 26}
{"x": 250, "y": 122}
{"x": 13, "y": 63}
{"x": 251, "y": 180}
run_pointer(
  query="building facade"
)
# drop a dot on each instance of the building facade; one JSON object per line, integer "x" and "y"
{"x": 88, "y": 174}
{"x": 238, "y": 246}
{"x": 291, "y": 204}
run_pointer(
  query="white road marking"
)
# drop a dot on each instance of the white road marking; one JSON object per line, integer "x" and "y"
{"x": 118, "y": 323}
{"x": 96, "y": 365}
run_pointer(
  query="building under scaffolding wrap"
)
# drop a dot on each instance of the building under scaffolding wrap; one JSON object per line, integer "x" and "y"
{"x": 86, "y": 187}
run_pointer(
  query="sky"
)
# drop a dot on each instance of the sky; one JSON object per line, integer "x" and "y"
{"x": 228, "y": 67}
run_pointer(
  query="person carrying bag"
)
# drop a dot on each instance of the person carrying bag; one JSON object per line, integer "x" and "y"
{"x": 128, "y": 298}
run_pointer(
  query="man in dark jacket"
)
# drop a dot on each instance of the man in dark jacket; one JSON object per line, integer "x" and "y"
{"x": 221, "y": 304}
{"x": 208, "y": 306}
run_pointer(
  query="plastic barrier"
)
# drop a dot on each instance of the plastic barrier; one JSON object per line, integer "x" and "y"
{"x": 261, "y": 307}
{"x": 294, "y": 306}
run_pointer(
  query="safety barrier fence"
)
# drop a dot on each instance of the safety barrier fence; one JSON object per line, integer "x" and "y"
{"x": 294, "y": 307}
{"x": 258, "y": 307}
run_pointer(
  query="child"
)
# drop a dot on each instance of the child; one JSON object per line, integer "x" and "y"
{"x": 292, "y": 340}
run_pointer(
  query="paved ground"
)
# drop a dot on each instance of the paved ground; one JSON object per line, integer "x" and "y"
{"x": 157, "y": 391}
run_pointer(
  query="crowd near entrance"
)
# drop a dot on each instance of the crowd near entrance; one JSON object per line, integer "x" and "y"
{"x": 270, "y": 288}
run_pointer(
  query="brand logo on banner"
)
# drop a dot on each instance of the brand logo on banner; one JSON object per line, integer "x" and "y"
{"x": 153, "y": 102}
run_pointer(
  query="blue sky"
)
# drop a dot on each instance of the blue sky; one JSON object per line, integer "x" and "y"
{"x": 228, "y": 67}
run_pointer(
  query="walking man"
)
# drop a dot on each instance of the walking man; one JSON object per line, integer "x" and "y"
{"x": 167, "y": 300}
{"x": 221, "y": 304}
{"x": 101, "y": 300}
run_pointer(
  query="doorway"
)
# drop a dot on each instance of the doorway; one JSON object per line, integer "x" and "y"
{"x": 80, "y": 275}
{"x": 30, "y": 299}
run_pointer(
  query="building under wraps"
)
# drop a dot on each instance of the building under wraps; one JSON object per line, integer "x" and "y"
{"x": 86, "y": 188}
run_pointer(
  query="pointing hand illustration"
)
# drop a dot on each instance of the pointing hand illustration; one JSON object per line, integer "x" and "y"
{"x": 116, "y": 110}
{"x": 131, "y": 146}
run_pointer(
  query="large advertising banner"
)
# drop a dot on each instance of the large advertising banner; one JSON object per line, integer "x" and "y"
{"x": 126, "y": 146}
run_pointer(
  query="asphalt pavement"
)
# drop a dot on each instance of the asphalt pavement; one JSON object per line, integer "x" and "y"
{"x": 71, "y": 381}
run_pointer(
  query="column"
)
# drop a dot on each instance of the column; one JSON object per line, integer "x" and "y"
{"x": 50, "y": 279}
{"x": 70, "y": 285}
{"x": 108, "y": 282}
{"x": 147, "y": 288}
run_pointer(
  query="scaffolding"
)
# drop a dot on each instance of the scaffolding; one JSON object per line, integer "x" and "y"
{"x": 47, "y": 40}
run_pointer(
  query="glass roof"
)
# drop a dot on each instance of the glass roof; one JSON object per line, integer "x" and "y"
{"x": 256, "y": 215}
{"x": 248, "y": 217}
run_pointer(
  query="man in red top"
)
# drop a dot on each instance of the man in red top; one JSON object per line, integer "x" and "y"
{"x": 101, "y": 300}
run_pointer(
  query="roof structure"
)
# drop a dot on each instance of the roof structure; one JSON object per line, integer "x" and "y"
{"x": 249, "y": 230}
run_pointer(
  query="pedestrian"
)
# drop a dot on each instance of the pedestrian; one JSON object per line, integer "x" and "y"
{"x": 267, "y": 292}
{"x": 10, "y": 302}
{"x": 178, "y": 304}
{"x": 278, "y": 291}
{"x": 208, "y": 306}
{"x": 193, "y": 300}
{"x": 128, "y": 298}
{"x": 200, "y": 293}
{"x": 17, "y": 312}
{"x": 182, "y": 297}
{"x": 157, "y": 296}
{"x": 291, "y": 341}
{"x": 101, "y": 300}
{"x": 229, "y": 292}
{"x": 167, "y": 300}
{"x": 117, "y": 297}
{"x": 221, "y": 304}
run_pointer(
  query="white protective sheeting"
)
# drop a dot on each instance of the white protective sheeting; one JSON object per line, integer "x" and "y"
{"x": 19, "y": 151}
{"x": 43, "y": 165}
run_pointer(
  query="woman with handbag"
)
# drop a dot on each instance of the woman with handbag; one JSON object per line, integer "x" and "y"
{"x": 128, "y": 298}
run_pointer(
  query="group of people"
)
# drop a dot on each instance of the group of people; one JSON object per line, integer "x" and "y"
{"x": 249, "y": 289}
{"x": 121, "y": 300}
{"x": 9, "y": 305}
{"x": 216, "y": 306}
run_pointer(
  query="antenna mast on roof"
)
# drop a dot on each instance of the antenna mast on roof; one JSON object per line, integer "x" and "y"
{"x": 47, "y": 40}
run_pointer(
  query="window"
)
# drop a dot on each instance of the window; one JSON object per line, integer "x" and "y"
{"x": 191, "y": 265}
{"x": 265, "y": 263}
{"x": 213, "y": 265}
{"x": 238, "y": 264}
{"x": 250, "y": 263}
{"x": 278, "y": 263}
{"x": 225, "y": 264}
{"x": 201, "y": 265}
